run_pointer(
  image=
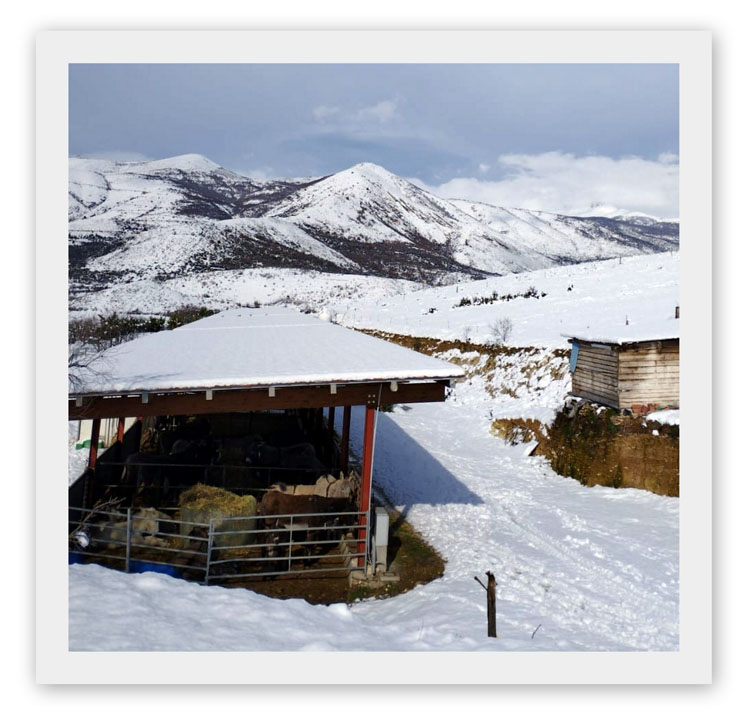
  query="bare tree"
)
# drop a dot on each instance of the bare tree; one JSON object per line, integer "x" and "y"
{"x": 81, "y": 360}
{"x": 501, "y": 329}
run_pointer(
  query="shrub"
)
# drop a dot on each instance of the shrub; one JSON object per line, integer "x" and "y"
{"x": 187, "y": 314}
{"x": 103, "y": 331}
{"x": 501, "y": 329}
{"x": 82, "y": 330}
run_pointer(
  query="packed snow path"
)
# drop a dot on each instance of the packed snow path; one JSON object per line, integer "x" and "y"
{"x": 597, "y": 568}
{"x": 594, "y": 568}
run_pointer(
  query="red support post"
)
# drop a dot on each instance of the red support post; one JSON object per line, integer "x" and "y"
{"x": 90, "y": 472}
{"x": 364, "y": 506}
{"x": 94, "y": 438}
{"x": 121, "y": 429}
{"x": 345, "y": 439}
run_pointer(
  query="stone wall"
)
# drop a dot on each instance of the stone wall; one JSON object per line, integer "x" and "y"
{"x": 596, "y": 445}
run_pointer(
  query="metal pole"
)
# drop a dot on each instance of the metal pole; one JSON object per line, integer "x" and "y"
{"x": 128, "y": 542}
{"x": 289, "y": 548}
{"x": 345, "y": 439}
{"x": 209, "y": 551}
{"x": 331, "y": 436}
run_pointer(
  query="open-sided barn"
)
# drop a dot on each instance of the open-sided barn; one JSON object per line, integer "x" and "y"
{"x": 252, "y": 379}
{"x": 629, "y": 369}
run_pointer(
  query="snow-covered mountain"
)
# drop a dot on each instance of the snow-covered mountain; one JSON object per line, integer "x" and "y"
{"x": 182, "y": 216}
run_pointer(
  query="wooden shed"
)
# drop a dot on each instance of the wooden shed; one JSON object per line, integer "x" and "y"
{"x": 638, "y": 372}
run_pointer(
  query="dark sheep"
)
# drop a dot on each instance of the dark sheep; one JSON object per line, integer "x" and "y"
{"x": 153, "y": 475}
{"x": 262, "y": 454}
{"x": 301, "y": 455}
{"x": 289, "y": 435}
{"x": 194, "y": 431}
{"x": 275, "y": 502}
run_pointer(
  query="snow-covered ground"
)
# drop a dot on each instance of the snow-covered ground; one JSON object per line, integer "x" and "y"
{"x": 600, "y": 296}
{"x": 524, "y": 384}
{"x": 220, "y": 290}
{"x": 596, "y": 568}
{"x": 583, "y": 569}
{"x": 670, "y": 416}
{"x": 78, "y": 458}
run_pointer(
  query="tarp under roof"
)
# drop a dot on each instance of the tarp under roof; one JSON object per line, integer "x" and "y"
{"x": 254, "y": 347}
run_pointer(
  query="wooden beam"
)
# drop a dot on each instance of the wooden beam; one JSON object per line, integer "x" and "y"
{"x": 121, "y": 429}
{"x": 240, "y": 400}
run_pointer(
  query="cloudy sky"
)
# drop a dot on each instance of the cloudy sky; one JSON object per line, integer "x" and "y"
{"x": 575, "y": 139}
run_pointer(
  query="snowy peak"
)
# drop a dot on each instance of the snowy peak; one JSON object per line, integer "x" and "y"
{"x": 191, "y": 162}
{"x": 367, "y": 203}
{"x": 369, "y": 175}
{"x": 368, "y": 170}
{"x": 361, "y": 183}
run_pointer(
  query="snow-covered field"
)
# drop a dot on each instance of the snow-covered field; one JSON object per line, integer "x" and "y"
{"x": 221, "y": 290}
{"x": 584, "y": 569}
{"x": 589, "y": 298}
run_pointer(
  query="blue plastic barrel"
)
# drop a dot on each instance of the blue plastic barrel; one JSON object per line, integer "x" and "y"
{"x": 139, "y": 567}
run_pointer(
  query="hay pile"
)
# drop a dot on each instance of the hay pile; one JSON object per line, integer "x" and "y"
{"x": 202, "y": 503}
{"x": 204, "y": 498}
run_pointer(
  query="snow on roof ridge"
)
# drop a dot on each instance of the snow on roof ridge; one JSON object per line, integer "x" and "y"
{"x": 621, "y": 337}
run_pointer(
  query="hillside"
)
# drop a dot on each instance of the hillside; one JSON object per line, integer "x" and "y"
{"x": 634, "y": 294}
{"x": 153, "y": 223}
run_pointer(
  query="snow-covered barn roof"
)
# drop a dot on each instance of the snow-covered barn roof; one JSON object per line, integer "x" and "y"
{"x": 624, "y": 334}
{"x": 254, "y": 348}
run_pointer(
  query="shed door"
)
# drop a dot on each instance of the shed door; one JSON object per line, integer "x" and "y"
{"x": 574, "y": 356}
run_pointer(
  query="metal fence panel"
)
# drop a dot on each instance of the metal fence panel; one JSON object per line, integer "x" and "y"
{"x": 294, "y": 544}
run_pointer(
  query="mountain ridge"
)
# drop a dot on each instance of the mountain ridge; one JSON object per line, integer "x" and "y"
{"x": 186, "y": 215}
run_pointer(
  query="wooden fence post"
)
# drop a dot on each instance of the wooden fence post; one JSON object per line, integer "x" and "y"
{"x": 491, "y": 604}
{"x": 490, "y": 589}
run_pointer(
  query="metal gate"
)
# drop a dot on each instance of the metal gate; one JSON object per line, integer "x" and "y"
{"x": 222, "y": 550}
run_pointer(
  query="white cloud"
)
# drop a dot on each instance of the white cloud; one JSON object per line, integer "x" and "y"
{"x": 323, "y": 112}
{"x": 568, "y": 184}
{"x": 382, "y": 112}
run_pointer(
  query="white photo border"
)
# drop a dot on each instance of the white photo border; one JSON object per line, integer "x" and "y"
{"x": 691, "y": 50}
